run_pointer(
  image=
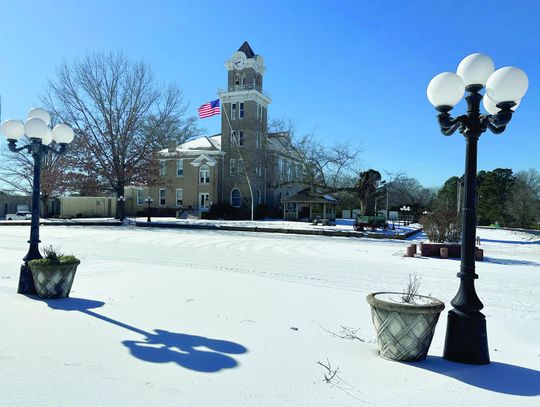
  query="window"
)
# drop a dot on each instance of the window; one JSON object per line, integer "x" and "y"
{"x": 236, "y": 80}
{"x": 240, "y": 166}
{"x": 179, "y": 196}
{"x": 232, "y": 167}
{"x": 260, "y": 113}
{"x": 162, "y": 168}
{"x": 236, "y": 198}
{"x": 241, "y": 138}
{"x": 258, "y": 169}
{"x": 258, "y": 141}
{"x": 258, "y": 196}
{"x": 233, "y": 138}
{"x": 233, "y": 111}
{"x": 179, "y": 168}
{"x": 284, "y": 170}
{"x": 161, "y": 197}
{"x": 241, "y": 112}
{"x": 140, "y": 197}
{"x": 289, "y": 171}
{"x": 204, "y": 175}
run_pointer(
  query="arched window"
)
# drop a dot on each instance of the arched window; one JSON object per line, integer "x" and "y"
{"x": 236, "y": 198}
{"x": 258, "y": 196}
{"x": 204, "y": 175}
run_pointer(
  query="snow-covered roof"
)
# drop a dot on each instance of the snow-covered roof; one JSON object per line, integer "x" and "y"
{"x": 207, "y": 144}
{"x": 311, "y": 195}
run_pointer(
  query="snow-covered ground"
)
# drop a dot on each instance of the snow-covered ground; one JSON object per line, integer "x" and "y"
{"x": 342, "y": 225}
{"x": 214, "y": 318}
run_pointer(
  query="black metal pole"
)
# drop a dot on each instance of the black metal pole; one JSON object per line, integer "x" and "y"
{"x": 466, "y": 333}
{"x": 26, "y": 282}
{"x": 121, "y": 210}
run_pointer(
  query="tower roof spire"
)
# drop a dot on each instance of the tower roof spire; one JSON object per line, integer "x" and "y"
{"x": 246, "y": 49}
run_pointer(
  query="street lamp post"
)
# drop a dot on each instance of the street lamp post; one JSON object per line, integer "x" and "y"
{"x": 40, "y": 136}
{"x": 405, "y": 210}
{"x": 466, "y": 334}
{"x": 149, "y": 201}
{"x": 121, "y": 201}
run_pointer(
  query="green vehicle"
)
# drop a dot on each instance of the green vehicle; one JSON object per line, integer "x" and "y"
{"x": 372, "y": 222}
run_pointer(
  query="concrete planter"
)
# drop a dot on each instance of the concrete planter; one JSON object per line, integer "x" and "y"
{"x": 404, "y": 331}
{"x": 430, "y": 249}
{"x": 53, "y": 280}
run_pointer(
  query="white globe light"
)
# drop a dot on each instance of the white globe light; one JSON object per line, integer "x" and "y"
{"x": 48, "y": 138}
{"x": 491, "y": 106}
{"x": 36, "y": 128}
{"x": 12, "y": 129}
{"x": 508, "y": 84}
{"x": 475, "y": 69}
{"x": 40, "y": 113}
{"x": 445, "y": 89}
{"x": 63, "y": 134}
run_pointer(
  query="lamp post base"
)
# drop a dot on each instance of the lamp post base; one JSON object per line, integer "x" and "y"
{"x": 26, "y": 282}
{"x": 466, "y": 339}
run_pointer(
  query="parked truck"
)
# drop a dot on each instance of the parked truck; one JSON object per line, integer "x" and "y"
{"x": 19, "y": 215}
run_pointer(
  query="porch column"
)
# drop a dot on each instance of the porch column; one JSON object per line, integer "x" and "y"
{"x": 324, "y": 210}
{"x": 310, "y": 213}
{"x": 284, "y": 205}
{"x": 296, "y": 210}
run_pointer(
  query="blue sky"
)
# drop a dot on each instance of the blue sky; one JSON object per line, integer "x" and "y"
{"x": 350, "y": 70}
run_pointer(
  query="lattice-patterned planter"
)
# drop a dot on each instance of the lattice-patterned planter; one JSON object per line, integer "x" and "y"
{"x": 53, "y": 280}
{"x": 404, "y": 331}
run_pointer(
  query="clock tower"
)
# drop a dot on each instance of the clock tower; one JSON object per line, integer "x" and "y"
{"x": 244, "y": 129}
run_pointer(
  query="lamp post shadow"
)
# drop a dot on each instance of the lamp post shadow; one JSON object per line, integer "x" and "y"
{"x": 192, "y": 352}
{"x": 496, "y": 377}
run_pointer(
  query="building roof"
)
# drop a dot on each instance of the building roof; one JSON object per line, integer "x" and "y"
{"x": 309, "y": 195}
{"x": 246, "y": 49}
{"x": 206, "y": 144}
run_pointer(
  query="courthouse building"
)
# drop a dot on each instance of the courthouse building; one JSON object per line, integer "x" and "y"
{"x": 241, "y": 162}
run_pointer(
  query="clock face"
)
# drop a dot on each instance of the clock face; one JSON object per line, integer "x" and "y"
{"x": 239, "y": 61}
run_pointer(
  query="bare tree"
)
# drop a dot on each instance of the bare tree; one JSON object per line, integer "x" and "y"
{"x": 525, "y": 198}
{"x": 17, "y": 171}
{"x": 121, "y": 115}
{"x": 331, "y": 167}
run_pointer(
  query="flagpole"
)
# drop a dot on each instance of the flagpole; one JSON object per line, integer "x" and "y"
{"x": 240, "y": 154}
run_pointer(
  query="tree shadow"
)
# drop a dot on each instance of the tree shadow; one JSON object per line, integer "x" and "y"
{"x": 189, "y": 351}
{"x": 496, "y": 377}
{"x": 510, "y": 262}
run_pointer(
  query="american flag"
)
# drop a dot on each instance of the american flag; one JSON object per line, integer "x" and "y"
{"x": 209, "y": 109}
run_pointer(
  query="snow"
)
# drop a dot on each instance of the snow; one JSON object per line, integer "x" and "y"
{"x": 201, "y": 143}
{"x": 397, "y": 298}
{"x": 215, "y": 318}
{"x": 342, "y": 225}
